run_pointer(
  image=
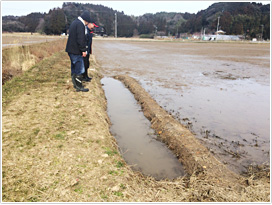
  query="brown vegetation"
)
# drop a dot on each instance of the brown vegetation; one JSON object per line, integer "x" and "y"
{"x": 17, "y": 59}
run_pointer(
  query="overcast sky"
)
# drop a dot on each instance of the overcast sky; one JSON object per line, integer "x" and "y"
{"x": 136, "y": 8}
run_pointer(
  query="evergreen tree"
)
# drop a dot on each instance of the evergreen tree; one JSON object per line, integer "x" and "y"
{"x": 55, "y": 22}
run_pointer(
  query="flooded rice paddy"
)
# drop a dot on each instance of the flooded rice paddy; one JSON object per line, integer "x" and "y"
{"x": 220, "y": 91}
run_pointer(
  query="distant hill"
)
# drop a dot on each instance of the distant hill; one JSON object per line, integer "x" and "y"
{"x": 237, "y": 18}
{"x": 29, "y": 23}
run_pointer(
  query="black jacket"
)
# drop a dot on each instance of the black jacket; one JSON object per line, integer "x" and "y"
{"x": 77, "y": 42}
{"x": 89, "y": 37}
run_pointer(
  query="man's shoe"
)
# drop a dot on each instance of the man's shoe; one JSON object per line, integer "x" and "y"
{"x": 79, "y": 86}
{"x": 86, "y": 79}
{"x": 82, "y": 89}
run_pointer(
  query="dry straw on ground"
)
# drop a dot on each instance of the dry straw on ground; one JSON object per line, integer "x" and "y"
{"x": 56, "y": 147}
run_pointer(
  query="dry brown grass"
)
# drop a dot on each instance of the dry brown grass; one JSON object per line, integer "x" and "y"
{"x": 56, "y": 147}
{"x": 18, "y": 59}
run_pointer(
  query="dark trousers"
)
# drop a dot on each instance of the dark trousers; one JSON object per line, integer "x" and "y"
{"x": 86, "y": 63}
{"x": 77, "y": 64}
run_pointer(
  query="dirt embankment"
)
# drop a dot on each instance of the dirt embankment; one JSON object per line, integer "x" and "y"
{"x": 195, "y": 157}
{"x": 18, "y": 59}
{"x": 56, "y": 147}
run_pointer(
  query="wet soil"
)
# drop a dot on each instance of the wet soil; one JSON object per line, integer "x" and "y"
{"x": 220, "y": 91}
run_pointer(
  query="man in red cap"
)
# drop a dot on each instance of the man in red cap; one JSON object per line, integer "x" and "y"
{"x": 77, "y": 48}
{"x": 89, "y": 37}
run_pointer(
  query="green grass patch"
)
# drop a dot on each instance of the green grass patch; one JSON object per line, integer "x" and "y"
{"x": 110, "y": 152}
{"x": 119, "y": 164}
{"x": 113, "y": 172}
{"x": 118, "y": 193}
{"x": 36, "y": 131}
{"x": 60, "y": 136}
{"x": 79, "y": 190}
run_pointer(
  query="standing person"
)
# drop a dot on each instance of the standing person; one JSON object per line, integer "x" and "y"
{"x": 89, "y": 37}
{"x": 77, "y": 49}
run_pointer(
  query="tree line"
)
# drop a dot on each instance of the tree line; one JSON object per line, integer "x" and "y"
{"x": 236, "y": 18}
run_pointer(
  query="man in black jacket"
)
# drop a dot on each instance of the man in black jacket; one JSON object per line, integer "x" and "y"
{"x": 77, "y": 49}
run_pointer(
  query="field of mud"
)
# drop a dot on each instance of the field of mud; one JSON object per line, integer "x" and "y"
{"x": 220, "y": 91}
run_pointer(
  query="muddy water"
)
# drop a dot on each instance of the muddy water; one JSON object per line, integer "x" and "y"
{"x": 136, "y": 140}
{"x": 220, "y": 91}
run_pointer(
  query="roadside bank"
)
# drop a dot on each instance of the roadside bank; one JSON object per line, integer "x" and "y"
{"x": 17, "y": 59}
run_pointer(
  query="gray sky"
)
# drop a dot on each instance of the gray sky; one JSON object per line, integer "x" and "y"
{"x": 136, "y": 8}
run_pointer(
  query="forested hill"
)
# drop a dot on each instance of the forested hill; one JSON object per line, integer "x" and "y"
{"x": 237, "y": 18}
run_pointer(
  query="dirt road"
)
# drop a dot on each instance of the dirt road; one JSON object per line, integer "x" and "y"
{"x": 220, "y": 91}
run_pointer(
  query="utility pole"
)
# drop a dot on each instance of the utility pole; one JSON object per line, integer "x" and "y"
{"x": 217, "y": 27}
{"x": 115, "y": 25}
{"x": 262, "y": 32}
{"x": 156, "y": 30}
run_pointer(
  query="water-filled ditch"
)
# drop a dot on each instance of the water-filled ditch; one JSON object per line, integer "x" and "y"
{"x": 137, "y": 141}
